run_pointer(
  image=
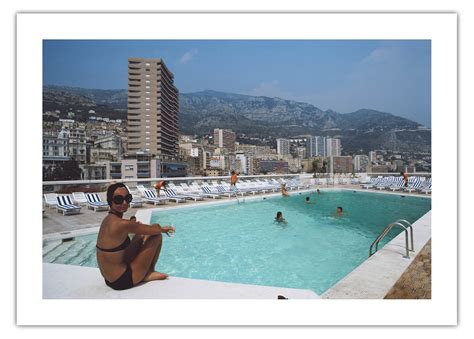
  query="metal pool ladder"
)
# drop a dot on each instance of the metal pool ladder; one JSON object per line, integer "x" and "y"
{"x": 405, "y": 225}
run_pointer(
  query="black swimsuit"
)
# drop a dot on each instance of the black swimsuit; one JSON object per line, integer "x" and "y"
{"x": 125, "y": 281}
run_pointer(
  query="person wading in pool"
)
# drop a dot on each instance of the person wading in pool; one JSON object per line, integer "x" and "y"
{"x": 123, "y": 262}
{"x": 279, "y": 218}
{"x": 284, "y": 192}
{"x": 339, "y": 213}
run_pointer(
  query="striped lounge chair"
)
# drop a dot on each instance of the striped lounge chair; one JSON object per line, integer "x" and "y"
{"x": 94, "y": 202}
{"x": 151, "y": 197}
{"x": 65, "y": 205}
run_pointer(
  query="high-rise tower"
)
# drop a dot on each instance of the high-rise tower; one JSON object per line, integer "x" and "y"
{"x": 153, "y": 108}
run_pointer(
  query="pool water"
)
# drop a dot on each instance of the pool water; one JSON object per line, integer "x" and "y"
{"x": 241, "y": 242}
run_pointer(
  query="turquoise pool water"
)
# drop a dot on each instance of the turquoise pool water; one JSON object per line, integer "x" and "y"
{"x": 241, "y": 243}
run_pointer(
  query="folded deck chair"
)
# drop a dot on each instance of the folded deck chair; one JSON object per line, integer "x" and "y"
{"x": 151, "y": 197}
{"x": 95, "y": 203}
{"x": 50, "y": 199}
{"x": 66, "y": 206}
{"x": 79, "y": 198}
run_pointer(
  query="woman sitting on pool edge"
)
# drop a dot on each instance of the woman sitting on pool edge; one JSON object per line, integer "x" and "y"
{"x": 124, "y": 263}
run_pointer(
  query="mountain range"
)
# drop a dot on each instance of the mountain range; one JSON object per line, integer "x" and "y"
{"x": 256, "y": 119}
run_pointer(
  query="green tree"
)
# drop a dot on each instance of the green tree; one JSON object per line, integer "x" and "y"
{"x": 68, "y": 170}
{"x": 315, "y": 164}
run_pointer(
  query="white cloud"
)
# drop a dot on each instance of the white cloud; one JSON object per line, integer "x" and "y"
{"x": 188, "y": 56}
{"x": 270, "y": 89}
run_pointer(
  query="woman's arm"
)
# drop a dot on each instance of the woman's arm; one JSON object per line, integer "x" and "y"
{"x": 144, "y": 229}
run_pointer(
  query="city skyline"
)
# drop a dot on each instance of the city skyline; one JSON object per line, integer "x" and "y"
{"x": 390, "y": 76}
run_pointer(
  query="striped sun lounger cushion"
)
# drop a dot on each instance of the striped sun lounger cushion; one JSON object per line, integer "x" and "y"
{"x": 94, "y": 199}
{"x": 66, "y": 203}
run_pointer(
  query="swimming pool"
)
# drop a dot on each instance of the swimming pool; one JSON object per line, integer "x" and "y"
{"x": 241, "y": 243}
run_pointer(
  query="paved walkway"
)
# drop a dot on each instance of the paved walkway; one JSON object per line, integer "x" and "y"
{"x": 415, "y": 282}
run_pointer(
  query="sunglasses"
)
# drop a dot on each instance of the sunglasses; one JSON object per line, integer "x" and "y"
{"x": 118, "y": 199}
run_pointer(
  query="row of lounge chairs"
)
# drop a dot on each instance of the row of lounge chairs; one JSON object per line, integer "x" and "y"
{"x": 72, "y": 203}
{"x": 415, "y": 184}
{"x": 214, "y": 190}
{"x": 339, "y": 181}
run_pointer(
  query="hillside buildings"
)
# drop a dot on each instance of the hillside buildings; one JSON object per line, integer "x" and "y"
{"x": 224, "y": 138}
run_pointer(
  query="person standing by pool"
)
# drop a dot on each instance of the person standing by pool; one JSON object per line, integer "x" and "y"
{"x": 124, "y": 263}
{"x": 233, "y": 180}
{"x": 405, "y": 178}
{"x": 284, "y": 192}
{"x": 159, "y": 185}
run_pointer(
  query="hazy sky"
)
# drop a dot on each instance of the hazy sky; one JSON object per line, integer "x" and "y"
{"x": 392, "y": 76}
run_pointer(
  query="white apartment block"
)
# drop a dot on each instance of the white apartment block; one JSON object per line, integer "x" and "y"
{"x": 333, "y": 147}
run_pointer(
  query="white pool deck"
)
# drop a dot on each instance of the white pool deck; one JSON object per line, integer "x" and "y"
{"x": 371, "y": 280}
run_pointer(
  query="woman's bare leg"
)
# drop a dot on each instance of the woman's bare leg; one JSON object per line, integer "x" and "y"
{"x": 142, "y": 262}
{"x": 152, "y": 274}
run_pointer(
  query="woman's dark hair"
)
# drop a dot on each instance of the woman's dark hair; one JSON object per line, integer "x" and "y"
{"x": 278, "y": 214}
{"x": 110, "y": 191}
{"x": 307, "y": 198}
{"x": 339, "y": 208}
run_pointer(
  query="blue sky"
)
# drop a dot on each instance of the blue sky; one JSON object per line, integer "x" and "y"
{"x": 392, "y": 76}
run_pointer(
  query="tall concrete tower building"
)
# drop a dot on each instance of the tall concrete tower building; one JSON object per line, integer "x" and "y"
{"x": 153, "y": 108}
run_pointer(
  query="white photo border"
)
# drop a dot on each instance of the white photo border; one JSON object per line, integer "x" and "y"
{"x": 33, "y": 28}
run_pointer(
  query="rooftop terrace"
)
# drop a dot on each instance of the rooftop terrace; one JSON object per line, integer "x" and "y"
{"x": 75, "y": 282}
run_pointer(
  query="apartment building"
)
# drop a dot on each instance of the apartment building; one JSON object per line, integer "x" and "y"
{"x": 153, "y": 108}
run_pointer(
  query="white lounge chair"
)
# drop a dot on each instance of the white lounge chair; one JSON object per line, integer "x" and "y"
{"x": 79, "y": 198}
{"x": 188, "y": 189}
{"x": 65, "y": 205}
{"x": 95, "y": 203}
{"x": 50, "y": 199}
